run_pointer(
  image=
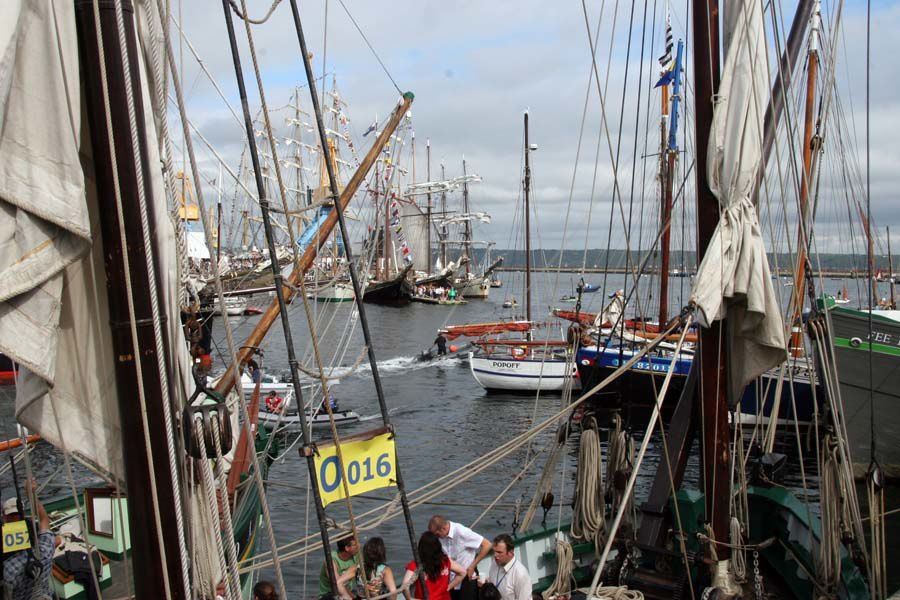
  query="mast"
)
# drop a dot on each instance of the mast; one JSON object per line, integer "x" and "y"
{"x": 527, "y": 225}
{"x": 444, "y": 233}
{"x": 386, "y": 274}
{"x": 803, "y": 225}
{"x": 893, "y": 303}
{"x": 669, "y": 154}
{"x": 428, "y": 212}
{"x": 148, "y": 472}
{"x": 713, "y": 380}
{"x": 467, "y": 230}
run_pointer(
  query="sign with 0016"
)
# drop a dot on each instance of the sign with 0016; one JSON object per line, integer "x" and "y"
{"x": 368, "y": 463}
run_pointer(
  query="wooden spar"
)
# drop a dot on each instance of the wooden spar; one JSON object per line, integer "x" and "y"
{"x": 148, "y": 471}
{"x": 16, "y": 442}
{"x": 444, "y": 233}
{"x": 267, "y": 319}
{"x": 713, "y": 381}
{"x": 527, "y": 227}
{"x": 666, "y": 168}
{"x": 245, "y": 444}
{"x": 803, "y": 225}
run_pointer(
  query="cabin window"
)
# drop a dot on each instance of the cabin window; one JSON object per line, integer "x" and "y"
{"x": 100, "y": 511}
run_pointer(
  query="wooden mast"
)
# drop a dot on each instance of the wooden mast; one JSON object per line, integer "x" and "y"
{"x": 444, "y": 232}
{"x": 713, "y": 382}
{"x": 267, "y": 319}
{"x": 803, "y": 225}
{"x": 892, "y": 303}
{"x": 665, "y": 175}
{"x": 527, "y": 226}
{"x": 154, "y": 548}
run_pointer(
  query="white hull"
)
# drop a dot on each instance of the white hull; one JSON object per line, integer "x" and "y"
{"x": 339, "y": 292}
{"x": 474, "y": 288}
{"x": 234, "y": 306}
{"x": 530, "y": 374}
{"x": 291, "y": 422}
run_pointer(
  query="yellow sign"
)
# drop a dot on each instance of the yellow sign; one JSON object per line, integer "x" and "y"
{"x": 370, "y": 464}
{"x": 15, "y": 537}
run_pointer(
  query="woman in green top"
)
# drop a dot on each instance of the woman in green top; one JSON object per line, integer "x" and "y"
{"x": 346, "y": 561}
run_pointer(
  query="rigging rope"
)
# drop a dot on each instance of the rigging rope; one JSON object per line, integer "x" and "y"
{"x": 588, "y": 513}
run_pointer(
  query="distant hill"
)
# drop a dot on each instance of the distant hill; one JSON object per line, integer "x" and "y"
{"x": 597, "y": 258}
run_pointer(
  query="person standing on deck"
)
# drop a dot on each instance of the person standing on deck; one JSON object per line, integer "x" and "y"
{"x": 26, "y": 573}
{"x": 465, "y": 547}
{"x": 346, "y": 563}
{"x": 507, "y": 572}
{"x": 441, "y": 343}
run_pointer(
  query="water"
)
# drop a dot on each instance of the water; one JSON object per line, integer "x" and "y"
{"x": 442, "y": 417}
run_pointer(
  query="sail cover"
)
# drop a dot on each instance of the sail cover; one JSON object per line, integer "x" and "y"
{"x": 480, "y": 329}
{"x": 733, "y": 279}
{"x": 54, "y": 318}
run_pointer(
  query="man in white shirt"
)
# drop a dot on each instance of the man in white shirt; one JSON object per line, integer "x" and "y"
{"x": 463, "y": 546}
{"x": 508, "y": 573}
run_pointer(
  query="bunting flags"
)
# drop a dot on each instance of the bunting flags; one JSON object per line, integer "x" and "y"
{"x": 398, "y": 232}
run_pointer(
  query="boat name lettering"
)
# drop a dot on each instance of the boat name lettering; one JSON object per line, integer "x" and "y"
{"x": 642, "y": 365}
{"x": 883, "y": 338}
{"x": 505, "y": 364}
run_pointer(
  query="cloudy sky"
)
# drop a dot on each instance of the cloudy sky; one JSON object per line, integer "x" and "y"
{"x": 475, "y": 66}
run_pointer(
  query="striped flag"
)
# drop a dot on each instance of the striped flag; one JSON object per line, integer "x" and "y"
{"x": 665, "y": 61}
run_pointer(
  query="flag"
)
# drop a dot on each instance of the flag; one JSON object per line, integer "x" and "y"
{"x": 668, "y": 77}
{"x": 666, "y": 59}
{"x": 371, "y": 128}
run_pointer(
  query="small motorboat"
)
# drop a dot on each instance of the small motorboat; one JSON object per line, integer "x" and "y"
{"x": 510, "y": 303}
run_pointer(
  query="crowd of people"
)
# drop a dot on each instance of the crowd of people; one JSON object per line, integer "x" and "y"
{"x": 437, "y": 292}
{"x": 449, "y": 554}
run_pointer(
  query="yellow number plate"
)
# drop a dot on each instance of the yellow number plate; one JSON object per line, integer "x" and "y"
{"x": 368, "y": 464}
{"x": 15, "y": 537}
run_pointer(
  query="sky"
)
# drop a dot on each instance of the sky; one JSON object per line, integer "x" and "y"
{"x": 475, "y": 67}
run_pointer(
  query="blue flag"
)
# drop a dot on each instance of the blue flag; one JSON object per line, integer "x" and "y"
{"x": 667, "y": 78}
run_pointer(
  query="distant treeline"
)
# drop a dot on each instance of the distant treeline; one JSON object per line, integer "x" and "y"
{"x": 597, "y": 258}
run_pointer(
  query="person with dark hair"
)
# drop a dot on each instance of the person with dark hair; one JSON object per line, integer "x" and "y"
{"x": 263, "y": 590}
{"x": 465, "y": 547}
{"x": 346, "y": 561}
{"x": 488, "y": 591}
{"x": 436, "y": 568}
{"x": 380, "y": 577}
{"x": 507, "y": 572}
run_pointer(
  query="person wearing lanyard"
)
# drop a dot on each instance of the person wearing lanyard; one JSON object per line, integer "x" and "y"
{"x": 507, "y": 572}
{"x": 465, "y": 547}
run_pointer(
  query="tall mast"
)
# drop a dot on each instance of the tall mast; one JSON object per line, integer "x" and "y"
{"x": 713, "y": 380}
{"x": 428, "y": 213}
{"x": 148, "y": 473}
{"x": 527, "y": 225}
{"x": 669, "y": 154}
{"x": 803, "y": 225}
{"x": 444, "y": 216}
{"x": 467, "y": 236}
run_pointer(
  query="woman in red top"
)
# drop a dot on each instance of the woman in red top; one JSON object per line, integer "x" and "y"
{"x": 437, "y": 567}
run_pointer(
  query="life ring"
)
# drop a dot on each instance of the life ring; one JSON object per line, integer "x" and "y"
{"x": 519, "y": 352}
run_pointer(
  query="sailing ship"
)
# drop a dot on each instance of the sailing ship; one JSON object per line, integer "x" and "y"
{"x": 520, "y": 364}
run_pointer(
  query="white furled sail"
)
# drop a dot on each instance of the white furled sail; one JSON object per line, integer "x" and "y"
{"x": 734, "y": 279}
{"x": 54, "y": 317}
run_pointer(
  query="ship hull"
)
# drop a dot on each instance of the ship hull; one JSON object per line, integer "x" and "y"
{"x": 508, "y": 374}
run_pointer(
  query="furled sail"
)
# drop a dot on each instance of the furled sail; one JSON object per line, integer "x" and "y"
{"x": 54, "y": 318}
{"x": 733, "y": 279}
{"x": 478, "y": 329}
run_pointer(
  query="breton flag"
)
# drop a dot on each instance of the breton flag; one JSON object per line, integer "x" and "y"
{"x": 665, "y": 61}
